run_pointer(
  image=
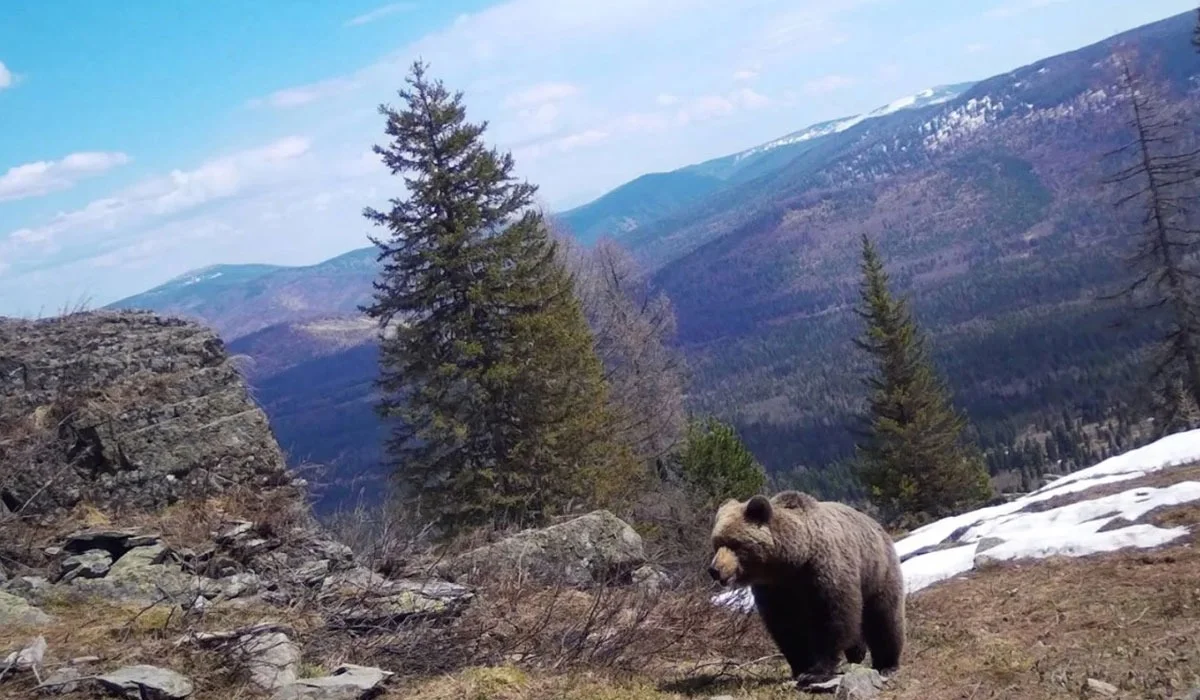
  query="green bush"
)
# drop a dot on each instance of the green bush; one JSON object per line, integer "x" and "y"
{"x": 716, "y": 464}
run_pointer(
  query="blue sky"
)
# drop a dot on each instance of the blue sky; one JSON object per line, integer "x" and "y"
{"x": 143, "y": 139}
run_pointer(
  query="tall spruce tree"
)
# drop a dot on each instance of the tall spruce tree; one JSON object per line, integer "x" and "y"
{"x": 487, "y": 366}
{"x": 913, "y": 459}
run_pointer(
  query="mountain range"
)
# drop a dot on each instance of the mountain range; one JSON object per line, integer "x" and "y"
{"x": 986, "y": 200}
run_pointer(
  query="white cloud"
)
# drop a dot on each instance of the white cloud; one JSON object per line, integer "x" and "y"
{"x": 750, "y": 99}
{"x": 42, "y": 177}
{"x": 541, "y": 119}
{"x": 379, "y": 13}
{"x": 562, "y": 144}
{"x": 305, "y": 94}
{"x": 541, "y": 94}
{"x": 708, "y": 107}
{"x": 1012, "y": 8}
{"x": 745, "y": 74}
{"x": 827, "y": 84}
{"x": 666, "y": 99}
{"x": 163, "y": 196}
{"x": 644, "y": 122}
{"x": 6, "y": 76}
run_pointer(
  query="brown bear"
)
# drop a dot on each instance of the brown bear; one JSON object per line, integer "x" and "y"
{"x": 825, "y": 578}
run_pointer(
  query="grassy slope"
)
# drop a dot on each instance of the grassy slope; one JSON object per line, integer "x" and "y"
{"x": 1036, "y": 630}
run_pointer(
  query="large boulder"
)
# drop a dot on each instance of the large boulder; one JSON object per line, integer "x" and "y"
{"x": 127, "y": 411}
{"x": 595, "y": 549}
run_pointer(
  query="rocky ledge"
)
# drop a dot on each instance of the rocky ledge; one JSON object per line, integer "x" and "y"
{"x": 126, "y": 410}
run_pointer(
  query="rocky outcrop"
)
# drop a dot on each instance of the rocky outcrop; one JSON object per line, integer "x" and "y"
{"x": 116, "y": 417}
{"x": 126, "y": 411}
{"x": 595, "y": 549}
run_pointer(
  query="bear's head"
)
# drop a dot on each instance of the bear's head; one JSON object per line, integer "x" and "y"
{"x": 749, "y": 537}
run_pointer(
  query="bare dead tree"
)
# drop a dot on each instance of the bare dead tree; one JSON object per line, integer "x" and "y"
{"x": 1160, "y": 179}
{"x": 632, "y": 324}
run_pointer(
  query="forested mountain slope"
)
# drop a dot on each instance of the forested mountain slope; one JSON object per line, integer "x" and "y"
{"x": 992, "y": 215}
{"x": 985, "y": 199}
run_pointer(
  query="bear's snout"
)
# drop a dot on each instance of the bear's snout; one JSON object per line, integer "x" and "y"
{"x": 725, "y": 567}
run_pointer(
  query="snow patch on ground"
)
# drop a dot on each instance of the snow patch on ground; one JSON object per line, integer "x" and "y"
{"x": 1070, "y": 530}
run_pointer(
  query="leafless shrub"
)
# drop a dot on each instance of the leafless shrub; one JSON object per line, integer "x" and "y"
{"x": 516, "y": 621}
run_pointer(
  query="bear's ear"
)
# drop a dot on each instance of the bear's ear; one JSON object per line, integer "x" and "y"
{"x": 758, "y": 510}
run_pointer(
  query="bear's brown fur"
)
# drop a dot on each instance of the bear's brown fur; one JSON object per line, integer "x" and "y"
{"x": 825, "y": 578}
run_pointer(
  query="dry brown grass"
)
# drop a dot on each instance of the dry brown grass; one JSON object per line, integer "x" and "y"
{"x": 1041, "y": 629}
{"x": 123, "y": 634}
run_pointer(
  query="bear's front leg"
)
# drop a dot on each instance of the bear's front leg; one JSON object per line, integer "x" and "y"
{"x": 834, "y": 618}
{"x": 783, "y": 614}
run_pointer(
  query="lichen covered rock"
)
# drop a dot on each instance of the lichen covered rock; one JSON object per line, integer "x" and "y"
{"x": 126, "y": 410}
{"x": 597, "y": 548}
{"x": 17, "y": 611}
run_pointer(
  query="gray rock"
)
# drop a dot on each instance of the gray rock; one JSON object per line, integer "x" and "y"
{"x": 35, "y": 589}
{"x": 62, "y": 681}
{"x": 93, "y": 563}
{"x": 1100, "y": 687}
{"x": 347, "y": 682}
{"x": 17, "y": 611}
{"x": 986, "y": 543}
{"x": 229, "y": 587}
{"x": 233, "y": 530}
{"x": 142, "y": 574}
{"x": 362, "y": 598}
{"x": 272, "y": 658}
{"x": 84, "y": 660}
{"x": 859, "y": 683}
{"x": 139, "y": 558}
{"x": 313, "y": 573}
{"x": 333, "y": 551}
{"x": 265, "y": 650}
{"x": 113, "y": 541}
{"x": 1193, "y": 695}
{"x": 144, "y": 682}
{"x": 163, "y": 416}
{"x": 597, "y": 548}
{"x": 650, "y": 580}
{"x": 143, "y": 541}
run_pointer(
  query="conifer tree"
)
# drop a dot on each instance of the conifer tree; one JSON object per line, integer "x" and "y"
{"x": 1159, "y": 179}
{"x": 913, "y": 460}
{"x": 717, "y": 464}
{"x": 487, "y": 370}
